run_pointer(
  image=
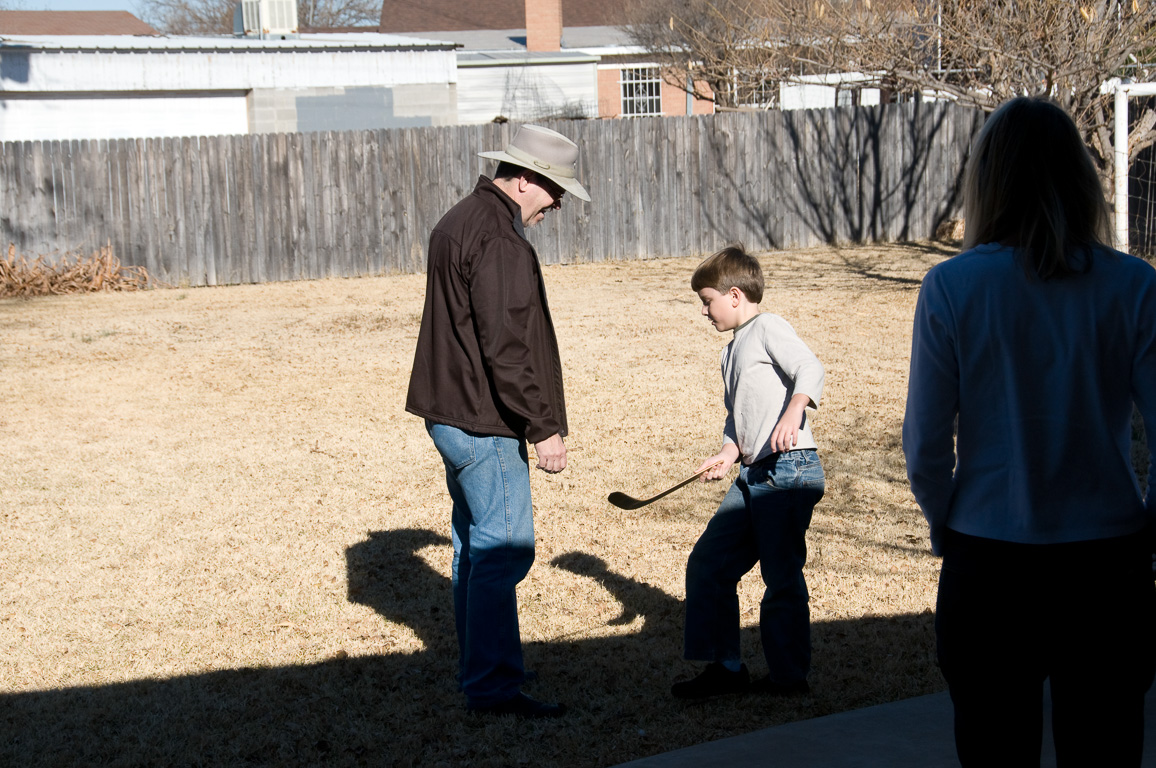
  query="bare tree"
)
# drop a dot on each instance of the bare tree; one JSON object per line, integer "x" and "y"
{"x": 715, "y": 45}
{"x": 976, "y": 52}
{"x": 189, "y": 17}
{"x": 215, "y": 17}
{"x": 339, "y": 13}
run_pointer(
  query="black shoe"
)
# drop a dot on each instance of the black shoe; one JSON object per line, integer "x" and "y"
{"x": 529, "y": 676}
{"x": 521, "y": 706}
{"x": 715, "y": 680}
{"x": 765, "y": 686}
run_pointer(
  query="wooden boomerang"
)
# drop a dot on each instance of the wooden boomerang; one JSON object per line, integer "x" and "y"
{"x": 622, "y": 501}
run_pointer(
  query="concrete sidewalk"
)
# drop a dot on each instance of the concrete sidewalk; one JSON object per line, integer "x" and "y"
{"x": 914, "y": 733}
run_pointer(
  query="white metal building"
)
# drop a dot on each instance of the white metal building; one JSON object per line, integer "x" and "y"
{"x": 526, "y": 86}
{"x": 838, "y": 89}
{"x": 106, "y": 87}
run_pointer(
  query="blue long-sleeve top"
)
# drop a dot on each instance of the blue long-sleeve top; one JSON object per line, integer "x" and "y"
{"x": 1042, "y": 376}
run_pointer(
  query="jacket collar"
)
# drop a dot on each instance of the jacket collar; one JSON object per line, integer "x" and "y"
{"x": 486, "y": 186}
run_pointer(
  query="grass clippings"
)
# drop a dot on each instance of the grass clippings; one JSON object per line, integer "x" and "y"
{"x": 225, "y": 543}
{"x": 100, "y": 271}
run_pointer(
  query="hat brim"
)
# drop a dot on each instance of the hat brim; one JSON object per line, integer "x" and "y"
{"x": 570, "y": 185}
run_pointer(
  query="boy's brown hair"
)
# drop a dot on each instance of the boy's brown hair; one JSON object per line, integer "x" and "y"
{"x": 732, "y": 267}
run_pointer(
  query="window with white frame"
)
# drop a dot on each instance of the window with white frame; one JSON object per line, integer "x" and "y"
{"x": 641, "y": 91}
{"x": 755, "y": 90}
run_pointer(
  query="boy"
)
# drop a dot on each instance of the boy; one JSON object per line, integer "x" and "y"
{"x": 770, "y": 377}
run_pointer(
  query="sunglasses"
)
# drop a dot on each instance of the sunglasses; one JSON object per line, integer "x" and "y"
{"x": 552, "y": 189}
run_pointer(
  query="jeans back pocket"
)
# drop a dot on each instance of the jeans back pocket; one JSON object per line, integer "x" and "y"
{"x": 455, "y": 446}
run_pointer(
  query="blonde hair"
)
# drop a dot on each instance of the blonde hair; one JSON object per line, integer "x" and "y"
{"x": 1031, "y": 184}
{"x": 732, "y": 267}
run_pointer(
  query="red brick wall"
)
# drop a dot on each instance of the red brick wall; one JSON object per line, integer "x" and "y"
{"x": 701, "y": 106}
{"x": 673, "y": 100}
{"x": 609, "y": 93}
{"x": 543, "y": 25}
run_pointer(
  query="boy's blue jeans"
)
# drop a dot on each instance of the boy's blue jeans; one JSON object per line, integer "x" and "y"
{"x": 762, "y": 519}
{"x": 488, "y": 479}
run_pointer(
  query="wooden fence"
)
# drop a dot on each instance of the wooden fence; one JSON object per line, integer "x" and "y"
{"x": 237, "y": 209}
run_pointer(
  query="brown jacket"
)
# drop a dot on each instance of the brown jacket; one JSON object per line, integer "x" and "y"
{"x": 487, "y": 358}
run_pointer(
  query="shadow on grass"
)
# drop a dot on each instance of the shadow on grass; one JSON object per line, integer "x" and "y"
{"x": 403, "y": 709}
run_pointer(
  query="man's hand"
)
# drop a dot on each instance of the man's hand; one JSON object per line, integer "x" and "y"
{"x": 551, "y": 454}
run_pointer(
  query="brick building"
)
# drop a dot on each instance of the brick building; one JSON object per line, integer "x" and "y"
{"x": 526, "y": 59}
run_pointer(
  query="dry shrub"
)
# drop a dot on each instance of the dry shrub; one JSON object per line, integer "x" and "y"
{"x": 102, "y": 271}
{"x": 950, "y": 231}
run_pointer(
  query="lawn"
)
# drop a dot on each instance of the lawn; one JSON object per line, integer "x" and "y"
{"x": 225, "y": 542}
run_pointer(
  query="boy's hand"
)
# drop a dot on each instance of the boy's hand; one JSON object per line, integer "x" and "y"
{"x": 724, "y": 460}
{"x": 786, "y": 432}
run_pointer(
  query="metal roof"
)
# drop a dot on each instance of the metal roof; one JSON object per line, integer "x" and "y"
{"x": 357, "y": 41}
{"x": 514, "y": 58}
{"x": 573, "y": 38}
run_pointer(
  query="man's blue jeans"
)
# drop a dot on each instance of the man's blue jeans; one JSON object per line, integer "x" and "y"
{"x": 493, "y": 532}
{"x": 764, "y": 519}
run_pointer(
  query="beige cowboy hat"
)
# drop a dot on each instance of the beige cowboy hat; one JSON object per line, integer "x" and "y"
{"x": 546, "y": 152}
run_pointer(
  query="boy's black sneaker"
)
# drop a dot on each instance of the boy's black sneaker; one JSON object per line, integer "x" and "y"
{"x": 765, "y": 686}
{"x": 715, "y": 680}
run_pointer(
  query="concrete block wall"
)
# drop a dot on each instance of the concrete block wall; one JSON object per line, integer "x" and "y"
{"x": 272, "y": 111}
{"x": 350, "y": 109}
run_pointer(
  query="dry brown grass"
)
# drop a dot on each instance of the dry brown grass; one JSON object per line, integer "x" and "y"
{"x": 224, "y": 542}
{"x": 101, "y": 271}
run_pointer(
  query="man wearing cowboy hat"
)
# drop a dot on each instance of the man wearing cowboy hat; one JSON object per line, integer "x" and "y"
{"x": 487, "y": 379}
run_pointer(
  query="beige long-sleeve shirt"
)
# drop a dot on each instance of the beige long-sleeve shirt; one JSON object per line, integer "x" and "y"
{"x": 763, "y": 367}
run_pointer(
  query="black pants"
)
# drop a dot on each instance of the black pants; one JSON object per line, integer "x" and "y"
{"x": 1011, "y": 615}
